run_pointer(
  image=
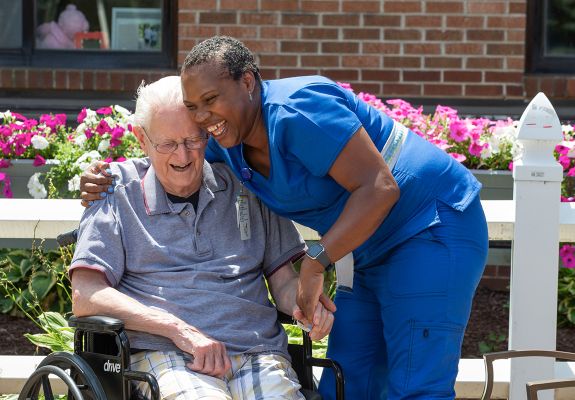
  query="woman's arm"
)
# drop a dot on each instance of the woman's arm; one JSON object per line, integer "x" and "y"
{"x": 360, "y": 169}
{"x": 283, "y": 288}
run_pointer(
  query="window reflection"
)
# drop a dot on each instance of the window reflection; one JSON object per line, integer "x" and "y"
{"x": 126, "y": 25}
{"x": 10, "y": 24}
{"x": 560, "y": 28}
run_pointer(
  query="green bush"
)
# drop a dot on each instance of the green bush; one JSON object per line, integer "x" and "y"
{"x": 566, "y": 298}
{"x": 34, "y": 278}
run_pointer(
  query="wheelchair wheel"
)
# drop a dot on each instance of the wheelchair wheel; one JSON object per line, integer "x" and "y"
{"x": 81, "y": 381}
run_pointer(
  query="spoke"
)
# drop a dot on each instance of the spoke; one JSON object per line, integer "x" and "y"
{"x": 47, "y": 388}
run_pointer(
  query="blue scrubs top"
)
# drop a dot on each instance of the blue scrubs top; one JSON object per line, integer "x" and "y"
{"x": 309, "y": 120}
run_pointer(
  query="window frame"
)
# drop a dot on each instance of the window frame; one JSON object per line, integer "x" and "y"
{"x": 535, "y": 59}
{"x": 28, "y": 56}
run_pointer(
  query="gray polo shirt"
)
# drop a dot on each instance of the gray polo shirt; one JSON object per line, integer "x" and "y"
{"x": 193, "y": 265}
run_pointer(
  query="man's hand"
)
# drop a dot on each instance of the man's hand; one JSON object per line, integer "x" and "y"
{"x": 210, "y": 356}
{"x": 325, "y": 318}
{"x": 94, "y": 181}
{"x": 310, "y": 291}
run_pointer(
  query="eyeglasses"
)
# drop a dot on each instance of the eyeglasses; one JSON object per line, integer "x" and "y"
{"x": 190, "y": 143}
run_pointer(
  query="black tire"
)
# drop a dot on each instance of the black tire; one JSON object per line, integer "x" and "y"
{"x": 81, "y": 381}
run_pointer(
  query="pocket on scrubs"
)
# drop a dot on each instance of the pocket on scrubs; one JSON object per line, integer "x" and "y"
{"x": 419, "y": 267}
{"x": 433, "y": 357}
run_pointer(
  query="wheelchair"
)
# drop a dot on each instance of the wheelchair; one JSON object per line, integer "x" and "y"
{"x": 99, "y": 367}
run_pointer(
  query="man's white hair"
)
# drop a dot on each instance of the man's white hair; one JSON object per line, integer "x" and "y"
{"x": 161, "y": 93}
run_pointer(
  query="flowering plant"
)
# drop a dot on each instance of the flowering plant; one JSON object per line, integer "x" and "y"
{"x": 104, "y": 134}
{"x": 21, "y": 137}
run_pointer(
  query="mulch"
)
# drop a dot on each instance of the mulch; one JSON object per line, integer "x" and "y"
{"x": 490, "y": 315}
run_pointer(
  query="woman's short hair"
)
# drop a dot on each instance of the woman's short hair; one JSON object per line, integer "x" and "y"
{"x": 225, "y": 51}
{"x": 166, "y": 91}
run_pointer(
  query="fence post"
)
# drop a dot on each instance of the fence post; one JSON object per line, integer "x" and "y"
{"x": 534, "y": 263}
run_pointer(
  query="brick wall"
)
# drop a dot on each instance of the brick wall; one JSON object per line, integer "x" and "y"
{"x": 409, "y": 48}
{"x": 405, "y": 48}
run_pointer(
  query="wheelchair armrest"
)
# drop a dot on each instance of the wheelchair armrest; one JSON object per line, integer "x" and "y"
{"x": 284, "y": 318}
{"x": 99, "y": 323}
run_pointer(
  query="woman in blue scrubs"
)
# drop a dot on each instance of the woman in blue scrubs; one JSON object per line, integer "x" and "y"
{"x": 404, "y": 211}
{"x": 408, "y": 212}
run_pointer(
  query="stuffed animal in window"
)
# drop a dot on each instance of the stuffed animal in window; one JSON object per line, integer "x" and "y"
{"x": 60, "y": 35}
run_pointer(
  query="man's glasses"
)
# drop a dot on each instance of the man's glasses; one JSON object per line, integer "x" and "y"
{"x": 190, "y": 143}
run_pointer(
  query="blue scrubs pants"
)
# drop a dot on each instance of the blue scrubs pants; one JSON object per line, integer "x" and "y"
{"x": 399, "y": 334}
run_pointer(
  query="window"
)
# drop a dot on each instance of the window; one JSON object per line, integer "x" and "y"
{"x": 550, "y": 39}
{"x": 92, "y": 34}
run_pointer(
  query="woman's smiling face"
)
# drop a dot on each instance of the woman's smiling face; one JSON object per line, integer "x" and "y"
{"x": 219, "y": 104}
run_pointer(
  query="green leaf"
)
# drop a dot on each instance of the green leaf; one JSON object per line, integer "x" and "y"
{"x": 52, "y": 321}
{"x": 41, "y": 283}
{"x": 13, "y": 274}
{"x": 6, "y": 304}
{"x": 50, "y": 341}
{"x": 25, "y": 266}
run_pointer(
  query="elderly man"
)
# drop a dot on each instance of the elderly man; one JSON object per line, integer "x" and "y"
{"x": 179, "y": 252}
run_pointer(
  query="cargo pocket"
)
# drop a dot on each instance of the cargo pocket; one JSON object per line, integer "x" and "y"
{"x": 434, "y": 354}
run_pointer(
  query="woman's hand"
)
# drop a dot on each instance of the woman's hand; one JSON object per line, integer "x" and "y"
{"x": 324, "y": 316}
{"x": 94, "y": 181}
{"x": 310, "y": 291}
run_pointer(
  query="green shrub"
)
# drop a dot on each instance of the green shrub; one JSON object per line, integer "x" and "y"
{"x": 566, "y": 298}
{"x": 30, "y": 278}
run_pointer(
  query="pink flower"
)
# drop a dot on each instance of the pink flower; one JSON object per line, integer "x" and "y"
{"x": 565, "y": 162}
{"x": 7, "y": 189}
{"x": 458, "y": 157}
{"x": 82, "y": 115}
{"x": 39, "y": 160}
{"x": 345, "y": 85}
{"x": 566, "y": 249}
{"x": 2, "y": 176}
{"x": 104, "y": 111}
{"x": 560, "y": 149}
{"x": 571, "y": 172}
{"x": 5, "y": 130}
{"x": 510, "y": 166}
{"x": 108, "y": 160}
{"x": 458, "y": 131}
{"x": 120, "y": 159}
{"x": 117, "y": 132}
{"x": 60, "y": 119}
{"x": 19, "y": 117}
{"x": 568, "y": 261}
{"x": 4, "y": 163}
{"x": 89, "y": 133}
{"x": 475, "y": 149}
{"x": 103, "y": 128}
{"x": 53, "y": 121}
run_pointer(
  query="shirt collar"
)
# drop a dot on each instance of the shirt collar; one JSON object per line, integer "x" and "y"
{"x": 155, "y": 198}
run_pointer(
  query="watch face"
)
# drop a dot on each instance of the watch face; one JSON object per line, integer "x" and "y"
{"x": 315, "y": 250}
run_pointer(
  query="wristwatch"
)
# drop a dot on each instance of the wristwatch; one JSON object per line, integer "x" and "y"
{"x": 317, "y": 252}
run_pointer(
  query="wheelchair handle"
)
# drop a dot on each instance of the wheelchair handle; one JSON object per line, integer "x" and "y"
{"x": 67, "y": 238}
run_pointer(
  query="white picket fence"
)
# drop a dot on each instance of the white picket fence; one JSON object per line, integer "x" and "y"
{"x": 535, "y": 221}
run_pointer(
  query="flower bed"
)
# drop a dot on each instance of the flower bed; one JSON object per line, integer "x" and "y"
{"x": 104, "y": 134}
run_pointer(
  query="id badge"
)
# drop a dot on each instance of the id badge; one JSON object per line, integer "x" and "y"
{"x": 243, "y": 215}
